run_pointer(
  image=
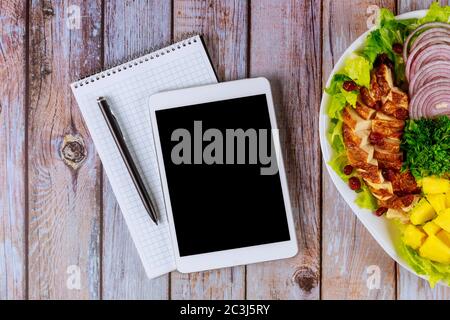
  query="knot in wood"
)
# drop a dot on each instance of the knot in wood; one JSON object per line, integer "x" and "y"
{"x": 45, "y": 70}
{"x": 73, "y": 151}
{"x": 47, "y": 9}
{"x": 306, "y": 278}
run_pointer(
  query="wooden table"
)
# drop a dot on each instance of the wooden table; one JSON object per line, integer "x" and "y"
{"x": 61, "y": 232}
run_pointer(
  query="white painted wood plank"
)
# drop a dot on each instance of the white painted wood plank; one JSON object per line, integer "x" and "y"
{"x": 64, "y": 169}
{"x": 224, "y": 26}
{"x": 285, "y": 47}
{"x": 131, "y": 27}
{"x": 13, "y": 168}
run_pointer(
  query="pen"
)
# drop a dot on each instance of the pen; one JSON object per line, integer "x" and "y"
{"x": 119, "y": 139}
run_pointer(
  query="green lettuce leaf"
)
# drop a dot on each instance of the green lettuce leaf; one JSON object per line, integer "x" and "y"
{"x": 358, "y": 68}
{"x": 385, "y": 16}
{"x": 337, "y": 103}
{"x": 436, "y": 13}
{"x": 335, "y": 135}
{"x": 389, "y": 32}
{"x": 339, "y": 96}
{"x": 374, "y": 46}
{"x": 350, "y": 96}
{"x": 365, "y": 199}
{"x": 338, "y": 162}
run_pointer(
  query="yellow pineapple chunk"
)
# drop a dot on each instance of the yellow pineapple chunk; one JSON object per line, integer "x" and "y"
{"x": 447, "y": 201}
{"x": 437, "y": 201}
{"x": 443, "y": 220}
{"x": 444, "y": 236}
{"x": 431, "y": 228}
{"x": 435, "y": 249}
{"x": 433, "y": 185}
{"x": 422, "y": 212}
{"x": 413, "y": 236}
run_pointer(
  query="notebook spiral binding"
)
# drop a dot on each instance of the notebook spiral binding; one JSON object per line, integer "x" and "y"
{"x": 137, "y": 59}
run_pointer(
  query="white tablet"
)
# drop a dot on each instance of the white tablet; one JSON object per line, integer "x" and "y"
{"x": 222, "y": 174}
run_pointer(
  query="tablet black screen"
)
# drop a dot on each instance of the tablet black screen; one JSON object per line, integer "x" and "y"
{"x": 219, "y": 205}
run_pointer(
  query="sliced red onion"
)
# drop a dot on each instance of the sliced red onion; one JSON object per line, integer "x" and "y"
{"x": 420, "y": 28}
{"x": 431, "y": 100}
{"x": 429, "y": 34}
{"x": 435, "y": 105}
{"x": 424, "y": 45}
{"x": 430, "y": 72}
{"x": 440, "y": 52}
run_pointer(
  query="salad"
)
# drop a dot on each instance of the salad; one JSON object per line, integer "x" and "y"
{"x": 389, "y": 129}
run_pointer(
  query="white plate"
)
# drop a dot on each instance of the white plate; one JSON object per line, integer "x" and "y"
{"x": 383, "y": 230}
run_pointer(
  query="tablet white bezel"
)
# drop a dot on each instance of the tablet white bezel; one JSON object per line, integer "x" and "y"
{"x": 211, "y": 93}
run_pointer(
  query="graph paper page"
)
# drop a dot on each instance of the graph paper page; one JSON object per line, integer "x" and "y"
{"x": 127, "y": 88}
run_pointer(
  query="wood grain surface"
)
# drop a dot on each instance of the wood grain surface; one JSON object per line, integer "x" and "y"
{"x": 221, "y": 23}
{"x": 346, "y": 261}
{"x": 62, "y": 235}
{"x": 130, "y": 29}
{"x": 285, "y": 47}
{"x": 13, "y": 150}
{"x": 63, "y": 168}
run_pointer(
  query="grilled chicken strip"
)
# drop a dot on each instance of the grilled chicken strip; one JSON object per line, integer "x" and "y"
{"x": 364, "y": 111}
{"x": 396, "y": 104}
{"x": 372, "y": 135}
{"x": 354, "y": 121}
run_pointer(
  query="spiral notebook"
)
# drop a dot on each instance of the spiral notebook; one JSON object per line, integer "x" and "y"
{"x": 128, "y": 87}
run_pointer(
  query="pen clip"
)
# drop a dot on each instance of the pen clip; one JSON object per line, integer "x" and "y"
{"x": 112, "y": 117}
